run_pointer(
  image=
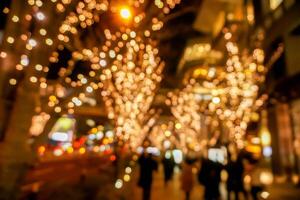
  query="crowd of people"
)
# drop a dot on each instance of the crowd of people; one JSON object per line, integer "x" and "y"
{"x": 206, "y": 172}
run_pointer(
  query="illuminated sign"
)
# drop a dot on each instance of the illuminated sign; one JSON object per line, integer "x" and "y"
{"x": 63, "y": 130}
{"x": 60, "y": 136}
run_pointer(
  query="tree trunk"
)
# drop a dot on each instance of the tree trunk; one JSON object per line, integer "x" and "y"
{"x": 15, "y": 154}
{"x": 8, "y": 64}
{"x": 6, "y": 91}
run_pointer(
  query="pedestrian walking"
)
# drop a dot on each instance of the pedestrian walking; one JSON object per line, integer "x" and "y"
{"x": 209, "y": 176}
{"x": 235, "y": 183}
{"x": 147, "y": 166}
{"x": 187, "y": 179}
{"x": 256, "y": 185}
{"x": 168, "y": 165}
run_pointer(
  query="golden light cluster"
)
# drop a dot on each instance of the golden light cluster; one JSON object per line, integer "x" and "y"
{"x": 166, "y": 5}
{"x": 128, "y": 70}
{"x": 244, "y": 74}
{"x": 85, "y": 14}
{"x": 227, "y": 99}
{"x": 117, "y": 38}
{"x": 125, "y": 67}
{"x": 163, "y": 136}
{"x": 128, "y": 75}
{"x": 186, "y": 108}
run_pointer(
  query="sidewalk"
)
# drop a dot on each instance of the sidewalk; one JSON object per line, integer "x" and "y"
{"x": 173, "y": 192}
{"x": 161, "y": 192}
{"x": 283, "y": 192}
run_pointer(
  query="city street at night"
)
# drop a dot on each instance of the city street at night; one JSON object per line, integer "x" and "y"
{"x": 149, "y": 100}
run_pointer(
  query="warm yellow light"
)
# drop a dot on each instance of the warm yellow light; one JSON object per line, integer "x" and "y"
{"x": 199, "y": 72}
{"x": 10, "y": 40}
{"x": 3, "y": 54}
{"x": 57, "y": 109}
{"x": 82, "y": 150}
{"x": 168, "y": 133}
{"x": 49, "y": 42}
{"x": 41, "y": 150}
{"x": 15, "y": 18}
{"x": 70, "y": 149}
{"x": 43, "y": 85}
{"x": 39, "y": 67}
{"x": 126, "y": 178}
{"x": 265, "y": 137}
{"x": 12, "y": 81}
{"x": 52, "y": 98}
{"x": 5, "y": 10}
{"x": 125, "y": 13}
{"x": 43, "y": 31}
{"x": 178, "y": 126}
{"x": 33, "y": 79}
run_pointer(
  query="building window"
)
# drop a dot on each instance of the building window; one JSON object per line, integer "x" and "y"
{"x": 275, "y": 3}
{"x": 250, "y": 12}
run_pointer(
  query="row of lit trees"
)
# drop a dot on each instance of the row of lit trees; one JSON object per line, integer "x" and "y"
{"x": 35, "y": 33}
{"x": 233, "y": 95}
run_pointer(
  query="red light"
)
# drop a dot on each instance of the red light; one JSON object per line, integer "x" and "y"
{"x": 107, "y": 151}
{"x": 82, "y": 140}
{"x": 76, "y": 145}
{"x": 113, "y": 158}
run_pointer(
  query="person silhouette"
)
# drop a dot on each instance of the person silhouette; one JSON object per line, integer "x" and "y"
{"x": 187, "y": 178}
{"x": 168, "y": 164}
{"x": 209, "y": 176}
{"x": 235, "y": 170}
{"x": 147, "y": 166}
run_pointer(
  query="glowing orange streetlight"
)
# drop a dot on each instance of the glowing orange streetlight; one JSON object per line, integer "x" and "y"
{"x": 125, "y": 13}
